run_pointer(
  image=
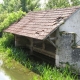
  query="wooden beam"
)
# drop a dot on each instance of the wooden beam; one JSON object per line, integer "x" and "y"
{"x": 54, "y": 38}
{"x": 31, "y": 46}
{"x": 45, "y": 52}
{"x": 51, "y": 42}
{"x": 42, "y": 51}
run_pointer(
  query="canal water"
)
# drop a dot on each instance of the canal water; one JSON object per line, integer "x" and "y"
{"x": 18, "y": 72}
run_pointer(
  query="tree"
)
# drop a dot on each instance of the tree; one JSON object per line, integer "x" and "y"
{"x": 57, "y": 3}
{"x": 61, "y": 3}
{"x": 29, "y": 5}
{"x": 75, "y": 2}
{"x": 15, "y": 5}
{"x": 11, "y": 5}
{"x": 23, "y": 5}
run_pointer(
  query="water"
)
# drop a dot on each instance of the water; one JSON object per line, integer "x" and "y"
{"x": 3, "y": 76}
{"x": 18, "y": 72}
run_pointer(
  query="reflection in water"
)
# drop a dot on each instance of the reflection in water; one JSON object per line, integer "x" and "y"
{"x": 1, "y": 62}
{"x": 19, "y": 72}
{"x": 3, "y": 76}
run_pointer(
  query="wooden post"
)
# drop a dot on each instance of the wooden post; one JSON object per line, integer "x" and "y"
{"x": 16, "y": 41}
{"x": 31, "y": 46}
{"x": 43, "y": 45}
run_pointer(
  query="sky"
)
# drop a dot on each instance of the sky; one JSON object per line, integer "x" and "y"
{"x": 43, "y": 3}
{"x": 1, "y": 1}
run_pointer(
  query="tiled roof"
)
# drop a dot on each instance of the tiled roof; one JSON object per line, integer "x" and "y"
{"x": 41, "y": 23}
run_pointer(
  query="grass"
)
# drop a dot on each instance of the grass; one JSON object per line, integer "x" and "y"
{"x": 8, "y": 53}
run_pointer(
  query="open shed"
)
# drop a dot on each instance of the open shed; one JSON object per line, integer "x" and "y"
{"x": 54, "y": 33}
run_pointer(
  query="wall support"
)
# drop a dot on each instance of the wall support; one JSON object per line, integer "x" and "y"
{"x": 51, "y": 40}
{"x": 43, "y": 45}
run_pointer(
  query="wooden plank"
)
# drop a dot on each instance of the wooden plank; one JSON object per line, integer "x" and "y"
{"x": 54, "y": 38}
{"x": 42, "y": 51}
{"x": 43, "y": 45}
{"x": 31, "y": 46}
{"x": 51, "y": 42}
{"x": 47, "y": 53}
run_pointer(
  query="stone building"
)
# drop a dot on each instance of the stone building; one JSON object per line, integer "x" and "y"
{"x": 55, "y": 33}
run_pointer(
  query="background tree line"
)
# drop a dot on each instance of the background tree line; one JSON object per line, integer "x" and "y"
{"x": 31, "y": 5}
{"x": 61, "y": 3}
{"x": 15, "y": 5}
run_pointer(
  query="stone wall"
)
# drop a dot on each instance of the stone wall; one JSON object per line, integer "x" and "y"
{"x": 72, "y": 24}
{"x": 66, "y": 53}
{"x": 76, "y": 58}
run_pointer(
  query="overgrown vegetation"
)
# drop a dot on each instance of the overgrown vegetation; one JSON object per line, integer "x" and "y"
{"x": 3, "y": 16}
{"x": 16, "y": 5}
{"x": 61, "y": 3}
{"x": 11, "y": 18}
{"x": 9, "y": 53}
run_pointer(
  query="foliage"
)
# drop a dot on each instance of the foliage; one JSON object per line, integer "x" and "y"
{"x": 3, "y": 16}
{"x": 12, "y": 17}
{"x": 11, "y": 5}
{"x": 55, "y": 74}
{"x": 7, "y": 40}
{"x": 23, "y": 5}
{"x": 29, "y": 5}
{"x": 32, "y": 5}
{"x": 1, "y": 9}
{"x": 61, "y": 3}
{"x": 75, "y": 2}
{"x": 57, "y": 3}
{"x": 16, "y": 5}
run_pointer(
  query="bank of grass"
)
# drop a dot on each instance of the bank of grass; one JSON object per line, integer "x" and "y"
{"x": 8, "y": 53}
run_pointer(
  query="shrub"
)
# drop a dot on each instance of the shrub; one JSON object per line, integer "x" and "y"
{"x": 12, "y": 17}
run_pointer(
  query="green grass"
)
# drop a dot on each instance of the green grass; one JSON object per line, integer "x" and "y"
{"x": 9, "y": 53}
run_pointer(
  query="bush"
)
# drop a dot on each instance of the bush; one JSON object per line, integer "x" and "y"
{"x": 3, "y": 16}
{"x": 12, "y": 17}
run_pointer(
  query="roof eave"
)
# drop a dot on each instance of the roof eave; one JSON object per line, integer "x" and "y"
{"x": 60, "y": 23}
